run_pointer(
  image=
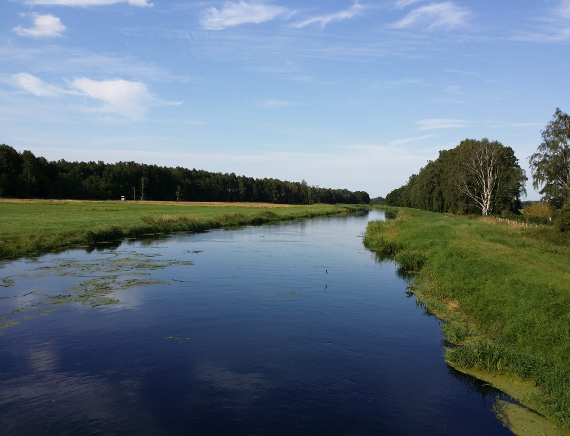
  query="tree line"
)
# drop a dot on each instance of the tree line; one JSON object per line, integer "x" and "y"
{"x": 474, "y": 177}
{"x": 23, "y": 175}
{"x": 484, "y": 176}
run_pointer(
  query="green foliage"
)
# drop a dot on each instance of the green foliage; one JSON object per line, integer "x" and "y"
{"x": 10, "y": 168}
{"x": 435, "y": 187}
{"x": 491, "y": 356}
{"x": 528, "y": 219}
{"x": 23, "y": 175}
{"x": 378, "y": 200}
{"x": 381, "y": 235}
{"x": 562, "y": 222}
{"x": 410, "y": 261}
{"x": 539, "y": 209}
{"x": 550, "y": 165}
{"x": 458, "y": 332}
{"x": 512, "y": 293}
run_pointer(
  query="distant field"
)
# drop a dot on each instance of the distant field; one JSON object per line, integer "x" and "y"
{"x": 37, "y": 225}
{"x": 47, "y": 217}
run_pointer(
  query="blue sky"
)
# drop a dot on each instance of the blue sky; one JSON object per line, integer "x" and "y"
{"x": 343, "y": 94}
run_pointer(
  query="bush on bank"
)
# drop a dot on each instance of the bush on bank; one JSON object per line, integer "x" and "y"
{"x": 562, "y": 222}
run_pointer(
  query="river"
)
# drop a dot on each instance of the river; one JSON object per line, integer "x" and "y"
{"x": 288, "y": 329}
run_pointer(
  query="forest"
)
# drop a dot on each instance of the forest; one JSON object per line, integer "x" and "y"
{"x": 23, "y": 175}
{"x": 474, "y": 177}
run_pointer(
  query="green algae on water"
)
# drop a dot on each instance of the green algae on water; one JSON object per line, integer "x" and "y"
{"x": 88, "y": 300}
{"x": 522, "y": 421}
{"x": 6, "y": 282}
{"x": 99, "y": 281}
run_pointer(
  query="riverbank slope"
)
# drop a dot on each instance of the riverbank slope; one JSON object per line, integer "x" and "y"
{"x": 35, "y": 226}
{"x": 504, "y": 292}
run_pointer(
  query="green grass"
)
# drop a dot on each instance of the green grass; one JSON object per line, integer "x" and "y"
{"x": 504, "y": 291}
{"x": 38, "y": 226}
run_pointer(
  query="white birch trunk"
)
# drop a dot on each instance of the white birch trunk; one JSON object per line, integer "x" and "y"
{"x": 479, "y": 176}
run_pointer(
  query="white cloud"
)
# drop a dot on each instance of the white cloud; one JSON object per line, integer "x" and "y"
{"x": 45, "y": 26}
{"x": 564, "y": 9}
{"x": 234, "y": 14}
{"x": 77, "y": 62}
{"x": 404, "y": 82}
{"x": 323, "y": 20}
{"x": 88, "y": 2}
{"x": 272, "y": 104}
{"x": 440, "y": 123}
{"x": 121, "y": 97}
{"x": 406, "y": 140}
{"x": 525, "y": 124}
{"x": 34, "y": 85}
{"x": 399, "y": 83}
{"x": 469, "y": 73}
{"x": 555, "y": 27}
{"x": 548, "y": 36}
{"x": 400, "y": 4}
{"x": 453, "y": 89}
{"x": 444, "y": 15}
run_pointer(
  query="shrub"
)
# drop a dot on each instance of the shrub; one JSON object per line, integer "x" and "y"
{"x": 461, "y": 208}
{"x": 539, "y": 209}
{"x": 563, "y": 220}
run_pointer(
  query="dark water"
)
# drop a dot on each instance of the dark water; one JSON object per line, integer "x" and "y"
{"x": 292, "y": 329}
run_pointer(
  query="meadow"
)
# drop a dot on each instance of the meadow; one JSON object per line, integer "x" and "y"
{"x": 33, "y": 226}
{"x": 502, "y": 289}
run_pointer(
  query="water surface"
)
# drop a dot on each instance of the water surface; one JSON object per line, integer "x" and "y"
{"x": 290, "y": 329}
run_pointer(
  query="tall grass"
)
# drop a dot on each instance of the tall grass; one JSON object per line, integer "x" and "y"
{"x": 511, "y": 292}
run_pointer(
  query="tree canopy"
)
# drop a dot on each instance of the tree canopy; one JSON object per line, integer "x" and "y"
{"x": 550, "y": 165}
{"x": 23, "y": 175}
{"x": 476, "y": 176}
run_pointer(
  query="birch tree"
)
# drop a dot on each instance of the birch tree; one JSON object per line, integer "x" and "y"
{"x": 479, "y": 172}
{"x": 143, "y": 184}
{"x": 474, "y": 175}
{"x": 550, "y": 165}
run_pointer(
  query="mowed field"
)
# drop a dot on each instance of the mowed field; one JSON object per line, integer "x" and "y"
{"x": 28, "y": 226}
{"x": 20, "y": 218}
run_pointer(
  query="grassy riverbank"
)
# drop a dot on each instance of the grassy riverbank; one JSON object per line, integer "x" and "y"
{"x": 32, "y": 226}
{"x": 504, "y": 291}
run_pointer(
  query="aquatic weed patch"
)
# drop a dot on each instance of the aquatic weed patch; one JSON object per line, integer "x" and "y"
{"x": 8, "y": 324}
{"x": 503, "y": 292}
{"x": 100, "y": 280}
{"x": 6, "y": 282}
